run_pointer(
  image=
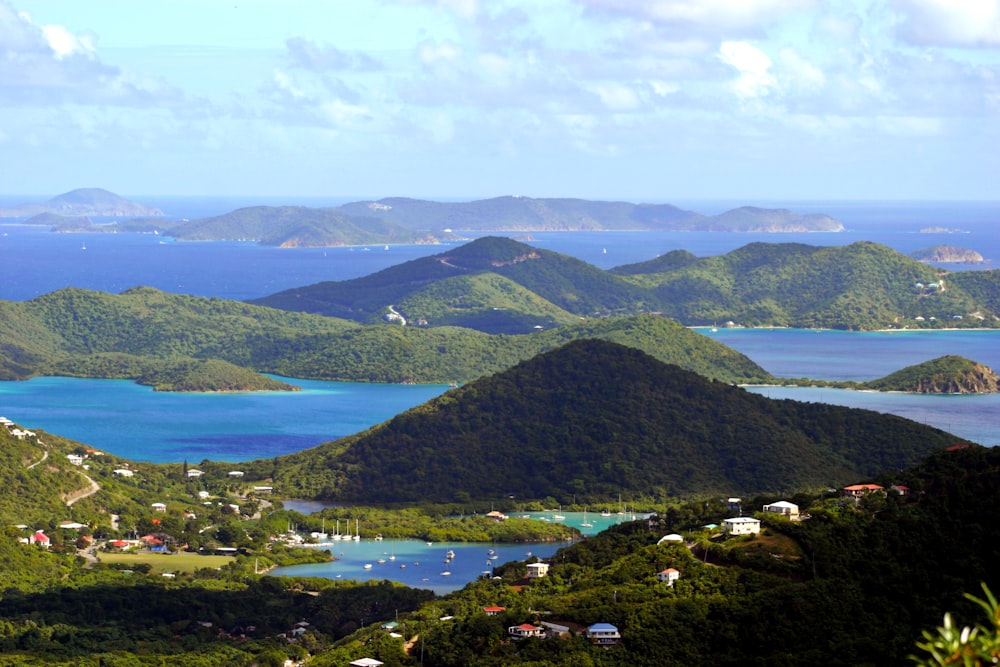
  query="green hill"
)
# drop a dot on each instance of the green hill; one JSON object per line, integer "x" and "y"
{"x": 146, "y": 333}
{"x": 594, "y": 419}
{"x": 859, "y": 286}
{"x": 944, "y": 375}
{"x": 568, "y": 284}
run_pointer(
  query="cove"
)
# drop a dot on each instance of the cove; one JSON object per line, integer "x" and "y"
{"x": 133, "y": 421}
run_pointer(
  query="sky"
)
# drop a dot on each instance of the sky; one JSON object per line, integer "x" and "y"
{"x": 635, "y": 100}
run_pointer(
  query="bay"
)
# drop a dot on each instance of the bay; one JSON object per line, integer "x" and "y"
{"x": 133, "y": 421}
{"x": 424, "y": 563}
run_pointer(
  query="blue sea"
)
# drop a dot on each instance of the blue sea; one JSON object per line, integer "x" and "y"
{"x": 135, "y": 422}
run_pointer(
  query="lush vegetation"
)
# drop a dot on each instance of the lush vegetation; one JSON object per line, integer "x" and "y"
{"x": 167, "y": 339}
{"x": 595, "y": 419}
{"x": 860, "y": 286}
{"x": 948, "y": 374}
{"x": 856, "y": 583}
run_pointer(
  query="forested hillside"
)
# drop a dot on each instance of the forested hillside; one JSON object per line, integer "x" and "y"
{"x": 500, "y": 285}
{"x": 595, "y": 419}
{"x": 166, "y": 340}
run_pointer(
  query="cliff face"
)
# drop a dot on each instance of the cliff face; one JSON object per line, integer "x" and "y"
{"x": 944, "y": 375}
{"x": 980, "y": 380}
{"x": 948, "y": 253}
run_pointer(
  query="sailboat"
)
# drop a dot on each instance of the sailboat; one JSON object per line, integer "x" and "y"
{"x": 321, "y": 535}
{"x": 558, "y": 517}
{"x": 357, "y": 531}
{"x": 586, "y": 524}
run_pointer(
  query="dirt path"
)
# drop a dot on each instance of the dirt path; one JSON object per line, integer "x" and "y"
{"x": 84, "y": 493}
{"x": 45, "y": 455}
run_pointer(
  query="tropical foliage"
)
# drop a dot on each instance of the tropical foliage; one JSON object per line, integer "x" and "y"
{"x": 594, "y": 419}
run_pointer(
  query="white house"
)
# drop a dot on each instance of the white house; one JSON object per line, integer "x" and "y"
{"x": 603, "y": 634}
{"x": 160, "y": 507}
{"x": 785, "y": 508}
{"x": 672, "y": 538}
{"x": 741, "y": 525}
{"x": 122, "y": 472}
{"x": 537, "y": 570}
{"x": 235, "y": 473}
{"x": 194, "y": 472}
{"x": 668, "y": 576}
{"x": 525, "y": 630}
{"x": 366, "y": 662}
{"x": 75, "y": 459}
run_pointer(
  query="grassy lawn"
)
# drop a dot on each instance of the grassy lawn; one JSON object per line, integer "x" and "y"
{"x": 180, "y": 562}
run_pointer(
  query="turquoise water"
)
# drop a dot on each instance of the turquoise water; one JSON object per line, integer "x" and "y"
{"x": 130, "y": 420}
{"x": 135, "y": 422}
{"x": 424, "y": 563}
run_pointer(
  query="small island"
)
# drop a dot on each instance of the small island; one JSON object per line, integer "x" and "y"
{"x": 947, "y": 254}
{"x": 945, "y": 375}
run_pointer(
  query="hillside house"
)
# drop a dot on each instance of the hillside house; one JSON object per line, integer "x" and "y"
{"x": 741, "y": 525}
{"x": 784, "y": 508}
{"x": 603, "y": 634}
{"x": 668, "y": 576}
{"x": 122, "y": 472}
{"x": 194, "y": 473}
{"x": 493, "y": 611}
{"x": 234, "y": 473}
{"x": 40, "y": 538}
{"x": 159, "y": 507}
{"x": 672, "y": 538}
{"x": 861, "y": 490}
{"x": 537, "y": 570}
{"x": 366, "y": 662}
{"x": 75, "y": 459}
{"x": 525, "y": 630}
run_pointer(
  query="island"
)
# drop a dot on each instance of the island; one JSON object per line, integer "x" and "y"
{"x": 947, "y": 254}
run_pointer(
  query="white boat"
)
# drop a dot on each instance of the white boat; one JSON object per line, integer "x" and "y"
{"x": 446, "y": 573}
{"x": 357, "y": 531}
{"x": 368, "y": 566}
{"x": 378, "y": 537}
{"x": 380, "y": 561}
{"x": 586, "y": 524}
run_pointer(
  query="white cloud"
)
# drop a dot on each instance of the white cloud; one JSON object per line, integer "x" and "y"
{"x": 64, "y": 43}
{"x": 754, "y": 67}
{"x": 960, "y": 23}
{"x": 51, "y": 65}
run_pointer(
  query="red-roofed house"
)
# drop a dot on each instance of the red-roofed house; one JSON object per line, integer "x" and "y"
{"x": 493, "y": 611}
{"x": 40, "y": 538}
{"x": 525, "y": 630}
{"x": 668, "y": 576}
{"x": 859, "y": 490}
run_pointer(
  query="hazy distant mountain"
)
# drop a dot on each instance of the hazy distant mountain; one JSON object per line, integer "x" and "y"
{"x": 84, "y": 202}
{"x": 946, "y": 254}
{"x": 515, "y": 213}
{"x": 297, "y": 227}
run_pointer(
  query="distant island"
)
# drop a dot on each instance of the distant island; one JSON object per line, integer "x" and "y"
{"x": 84, "y": 202}
{"x": 947, "y": 254}
{"x": 403, "y": 220}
